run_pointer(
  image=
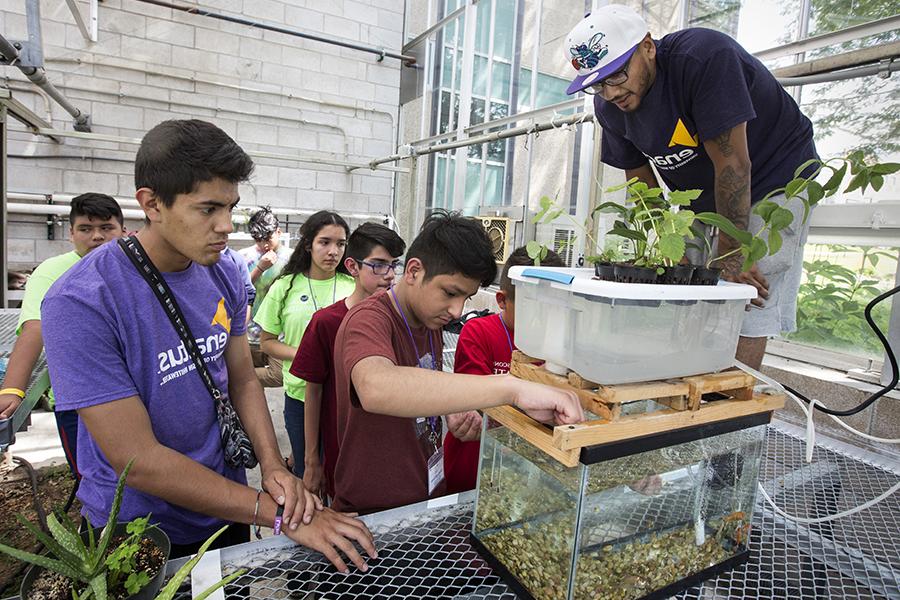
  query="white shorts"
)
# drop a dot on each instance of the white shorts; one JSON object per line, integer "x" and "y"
{"x": 783, "y": 271}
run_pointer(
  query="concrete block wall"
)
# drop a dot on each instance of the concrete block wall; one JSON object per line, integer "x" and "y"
{"x": 270, "y": 91}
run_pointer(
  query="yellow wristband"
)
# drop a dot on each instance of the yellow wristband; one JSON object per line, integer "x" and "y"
{"x": 15, "y": 391}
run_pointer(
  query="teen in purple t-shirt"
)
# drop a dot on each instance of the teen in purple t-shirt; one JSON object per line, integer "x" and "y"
{"x": 103, "y": 312}
{"x": 115, "y": 357}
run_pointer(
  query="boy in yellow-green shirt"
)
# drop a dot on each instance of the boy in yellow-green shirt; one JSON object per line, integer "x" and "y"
{"x": 314, "y": 277}
{"x": 94, "y": 219}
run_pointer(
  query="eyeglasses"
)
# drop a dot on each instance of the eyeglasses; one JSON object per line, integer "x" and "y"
{"x": 617, "y": 78}
{"x": 382, "y": 268}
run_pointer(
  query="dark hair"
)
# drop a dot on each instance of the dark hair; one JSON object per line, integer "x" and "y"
{"x": 301, "y": 258}
{"x": 449, "y": 243}
{"x": 369, "y": 235}
{"x": 96, "y": 206}
{"x": 519, "y": 257}
{"x": 175, "y": 156}
{"x": 262, "y": 224}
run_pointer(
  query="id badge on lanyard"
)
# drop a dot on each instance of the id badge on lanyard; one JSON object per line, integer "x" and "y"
{"x": 435, "y": 463}
{"x": 436, "y": 460}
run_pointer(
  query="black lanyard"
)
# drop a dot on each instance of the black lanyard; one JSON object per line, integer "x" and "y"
{"x": 237, "y": 446}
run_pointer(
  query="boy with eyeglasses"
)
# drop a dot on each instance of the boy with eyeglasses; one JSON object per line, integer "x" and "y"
{"x": 707, "y": 115}
{"x": 372, "y": 258}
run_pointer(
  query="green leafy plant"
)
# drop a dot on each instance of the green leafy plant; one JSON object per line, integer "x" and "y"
{"x": 121, "y": 561}
{"x": 656, "y": 224}
{"x": 612, "y": 253}
{"x": 549, "y": 212}
{"x": 832, "y": 300}
{"x": 754, "y": 246}
{"x": 648, "y": 220}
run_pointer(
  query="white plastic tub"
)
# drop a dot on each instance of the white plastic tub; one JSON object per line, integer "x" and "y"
{"x": 612, "y": 332}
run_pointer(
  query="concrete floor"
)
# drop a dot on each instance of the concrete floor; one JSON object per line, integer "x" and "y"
{"x": 41, "y": 447}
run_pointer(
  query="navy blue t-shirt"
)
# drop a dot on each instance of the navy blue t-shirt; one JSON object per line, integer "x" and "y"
{"x": 706, "y": 84}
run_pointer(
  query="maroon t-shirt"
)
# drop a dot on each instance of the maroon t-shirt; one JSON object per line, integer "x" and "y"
{"x": 484, "y": 348}
{"x": 314, "y": 362}
{"x": 383, "y": 460}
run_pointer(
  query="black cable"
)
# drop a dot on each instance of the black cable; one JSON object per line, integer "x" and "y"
{"x": 41, "y": 515}
{"x": 895, "y": 377}
{"x": 71, "y": 499}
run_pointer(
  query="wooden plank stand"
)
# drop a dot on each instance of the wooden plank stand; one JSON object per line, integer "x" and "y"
{"x": 685, "y": 402}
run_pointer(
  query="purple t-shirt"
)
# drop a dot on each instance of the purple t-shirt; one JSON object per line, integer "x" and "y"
{"x": 706, "y": 83}
{"x": 107, "y": 337}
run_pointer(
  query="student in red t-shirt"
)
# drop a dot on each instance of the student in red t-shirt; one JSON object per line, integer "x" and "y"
{"x": 372, "y": 259}
{"x": 390, "y": 388}
{"x": 485, "y": 347}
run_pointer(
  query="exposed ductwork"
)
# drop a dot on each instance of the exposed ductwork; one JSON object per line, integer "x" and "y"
{"x": 28, "y": 58}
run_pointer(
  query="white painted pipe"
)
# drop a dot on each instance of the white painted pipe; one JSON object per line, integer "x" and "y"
{"x": 126, "y": 203}
{"x": 60, "y": 209}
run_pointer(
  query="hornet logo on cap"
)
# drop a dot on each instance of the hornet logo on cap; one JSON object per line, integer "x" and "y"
{"x": 588, "y": 56}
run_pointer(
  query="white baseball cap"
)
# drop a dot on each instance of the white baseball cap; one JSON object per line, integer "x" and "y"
{"x": 602, "y": 43}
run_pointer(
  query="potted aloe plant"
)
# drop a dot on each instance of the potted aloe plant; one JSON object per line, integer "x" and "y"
{"x": 123, "y": 560}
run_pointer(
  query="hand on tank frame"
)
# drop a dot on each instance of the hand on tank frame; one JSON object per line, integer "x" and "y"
{"x": 731, "y": 271}
{"x": 546, "y": 404}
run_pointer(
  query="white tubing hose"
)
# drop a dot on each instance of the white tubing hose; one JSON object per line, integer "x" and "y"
{"x": 833, "y": 517}
{"x": 802, "y": 405}
{"x": 810, "y": 443}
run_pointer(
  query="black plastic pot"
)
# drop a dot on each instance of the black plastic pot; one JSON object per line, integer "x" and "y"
{"x": 677, "y": 275}
{"x": 155, "y": 534}
{"x": 605, "y": 271}
{"x": 704, "y": 276}
{"x": 631, "y": 274}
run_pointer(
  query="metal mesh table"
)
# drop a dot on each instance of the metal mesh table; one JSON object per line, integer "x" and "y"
{"x": 424, "y": 551}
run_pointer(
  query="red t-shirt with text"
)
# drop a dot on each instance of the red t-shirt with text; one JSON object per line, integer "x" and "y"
{"x": 484, "y": 348}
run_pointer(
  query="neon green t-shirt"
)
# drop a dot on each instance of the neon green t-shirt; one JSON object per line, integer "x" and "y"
{"x": 39, "y": 282}
{"x": 287, "y": 309}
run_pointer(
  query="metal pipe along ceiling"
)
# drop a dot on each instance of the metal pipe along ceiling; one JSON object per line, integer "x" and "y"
{"x": 38, "y": 76}
{"x": 380, "y": 52}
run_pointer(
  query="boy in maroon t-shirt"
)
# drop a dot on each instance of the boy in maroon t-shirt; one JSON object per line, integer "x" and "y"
{"x": 485, "y": 347}
{"x": 372, "y": 259}
{"x": 390, "y": 388}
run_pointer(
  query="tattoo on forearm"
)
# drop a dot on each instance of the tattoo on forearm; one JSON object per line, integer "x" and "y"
{"x": 733, "y": 196}
{"x": 724, "y": 143}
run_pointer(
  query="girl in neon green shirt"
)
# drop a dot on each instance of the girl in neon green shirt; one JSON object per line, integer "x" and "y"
{"x": 314, "y": 277}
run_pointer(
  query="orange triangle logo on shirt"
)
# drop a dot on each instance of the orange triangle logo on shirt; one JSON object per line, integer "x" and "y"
{"x": 221, "y": 317}
{"x": 681, "y": 137}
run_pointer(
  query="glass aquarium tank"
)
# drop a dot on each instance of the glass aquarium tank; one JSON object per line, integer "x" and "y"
{"x": 641, "y": 518}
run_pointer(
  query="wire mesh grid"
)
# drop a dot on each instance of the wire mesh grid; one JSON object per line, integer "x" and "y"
{"x": 450, "y": 340}
{"x": 853, "y": 557}
{"x": 428, "y": 554}
{"x": 425, "y": 556}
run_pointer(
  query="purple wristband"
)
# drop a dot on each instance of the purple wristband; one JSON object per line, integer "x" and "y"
{"x": 278, "y": 512}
